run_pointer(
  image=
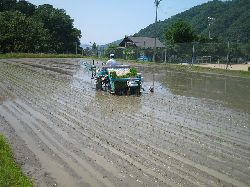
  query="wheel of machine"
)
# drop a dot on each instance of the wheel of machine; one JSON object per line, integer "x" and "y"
{"x": 138, "y": 90}
{"x": 98, "y": 83}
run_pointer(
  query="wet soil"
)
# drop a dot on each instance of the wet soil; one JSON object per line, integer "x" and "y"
{"x": 64, "y": 133}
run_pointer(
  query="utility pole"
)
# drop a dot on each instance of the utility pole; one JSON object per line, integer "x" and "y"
{"x": 193, "y": 54}
{"x": 228, "y": 54}
{"x": 157, "y": 3}
{"x": 165, "y": 56}
{"x": 76, "y": 48}
{"x": 210, "y": 20}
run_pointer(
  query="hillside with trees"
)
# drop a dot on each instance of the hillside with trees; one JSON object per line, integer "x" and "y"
{"x": 231, "y": 21}
{"x": 25, "y": 27}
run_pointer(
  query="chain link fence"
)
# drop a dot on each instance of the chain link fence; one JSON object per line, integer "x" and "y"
{"x": 227, "y": 52}
{"x": 233, "y": 53}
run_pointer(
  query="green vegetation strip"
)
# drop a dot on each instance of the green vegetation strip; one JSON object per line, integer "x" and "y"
{"x": 37, "y": 55}
{"x": 132, "y": 73}
{"x": 10, "y": 173}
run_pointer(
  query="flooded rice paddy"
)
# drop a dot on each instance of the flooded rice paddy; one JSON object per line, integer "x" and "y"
{"x": 193, "y": 131}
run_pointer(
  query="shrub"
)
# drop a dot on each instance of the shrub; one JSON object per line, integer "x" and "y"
{"x": 113, "y": 74}
{"x": 133, "y": 72}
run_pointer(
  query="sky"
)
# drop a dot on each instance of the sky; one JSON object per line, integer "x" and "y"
{"x": 105, "y": 21}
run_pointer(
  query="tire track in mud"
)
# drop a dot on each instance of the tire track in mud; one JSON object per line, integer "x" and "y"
{"x": 128, "y": 140}
{"x": 96, "y": 128}
{"x": 110, "y": 135}
{"x": 105, "y": 136}
{"x": 68, "y": 122}
{"x": 80, "y": 166}
{"x": 211, "y": 172}
{"x": 159, "y": 122}
{"x": 95, "y": 185}
{"x": 45, "y": 159}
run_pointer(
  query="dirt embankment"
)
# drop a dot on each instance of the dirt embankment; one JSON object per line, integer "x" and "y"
{"x": 66, "y": 134}
{"x": 240, "y": 67}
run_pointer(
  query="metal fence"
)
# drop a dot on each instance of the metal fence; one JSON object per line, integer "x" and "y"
{"x": 227, "y": 52}
{"x": 208, "y": 53}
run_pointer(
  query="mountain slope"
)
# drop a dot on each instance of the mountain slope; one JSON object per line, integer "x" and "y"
{"x": 231, "y": 21}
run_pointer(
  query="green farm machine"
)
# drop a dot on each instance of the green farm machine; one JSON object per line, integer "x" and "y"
{"x": 119, "y": 79}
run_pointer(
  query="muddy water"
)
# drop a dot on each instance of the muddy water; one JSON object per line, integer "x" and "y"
{"x": 190, "y": 132}
{"x": 233, "y": 92}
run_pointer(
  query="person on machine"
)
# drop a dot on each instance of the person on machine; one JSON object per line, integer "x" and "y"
{"x": 111, "y": 61}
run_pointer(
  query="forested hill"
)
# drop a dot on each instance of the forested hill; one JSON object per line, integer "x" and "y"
{"x": 232, "y": 21}
{"x": 25, "y": 27}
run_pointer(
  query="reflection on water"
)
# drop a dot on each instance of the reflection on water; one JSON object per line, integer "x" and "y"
{"x": 231, "y": 91}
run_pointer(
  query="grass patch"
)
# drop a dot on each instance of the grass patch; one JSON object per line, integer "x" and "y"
{"x": 37, "y": 55}
{"x": 10, "y": 173}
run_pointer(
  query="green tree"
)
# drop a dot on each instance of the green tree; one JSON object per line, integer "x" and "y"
{"x": 231, "y": 21}
{"x": 14, "y": 36}
{"x": 27, "y": 28}
{"x": 94, "y": 49}
{"x": 114, "y": 48}
{"x": 60, "y": 26}
{"x": 7, "y": 5}
{"x": 180, "y": 32}
{"x": 25, "y": 7}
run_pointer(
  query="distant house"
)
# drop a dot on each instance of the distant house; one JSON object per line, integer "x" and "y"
{"x": 141, "y": 42}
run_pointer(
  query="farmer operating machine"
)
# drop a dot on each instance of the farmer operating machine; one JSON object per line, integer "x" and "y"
{"x": 118, "y": 79}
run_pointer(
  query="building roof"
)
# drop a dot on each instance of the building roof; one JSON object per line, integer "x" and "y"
{"x": 143, "y": 42}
